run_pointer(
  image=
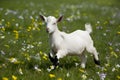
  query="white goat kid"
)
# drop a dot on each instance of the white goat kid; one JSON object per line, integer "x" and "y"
{"x": 74, "y": 43}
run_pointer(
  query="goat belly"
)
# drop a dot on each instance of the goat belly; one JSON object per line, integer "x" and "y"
{"x": 75, "y": 50}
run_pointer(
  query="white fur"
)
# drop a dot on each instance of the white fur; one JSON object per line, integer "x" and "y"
{"x": 74, "y": 43}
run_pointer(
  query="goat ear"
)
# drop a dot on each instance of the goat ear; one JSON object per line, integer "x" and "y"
{"x": 60, "y": 18}
{"x": 43, "y": 17}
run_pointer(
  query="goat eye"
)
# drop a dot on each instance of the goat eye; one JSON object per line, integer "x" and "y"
{"x": 54, "y": 23}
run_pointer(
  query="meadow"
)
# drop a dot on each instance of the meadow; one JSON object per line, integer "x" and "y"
{"x": 24, "y": 44}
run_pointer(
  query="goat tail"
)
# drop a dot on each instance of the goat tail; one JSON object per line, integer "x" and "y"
{"x": 88, "y": 28}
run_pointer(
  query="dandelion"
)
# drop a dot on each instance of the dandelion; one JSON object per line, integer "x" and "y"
{"x": 0, "y": 66}
{"x": 27, "y": 56}
{"x": 82, "y": 70}
{"x": 16, "y": 34}
{"x": 45, "y": 57}
{"x": 14, "y": 77}
{"x": 5, "y": 78}
{"x": 41, "y": 53}
{"x": 118, "y": 77}
{"x": 40, "y": 23}
{"x": 2, "y": 28}
{"x": 114, "y": 54}
{"x": 7, "y": 46}
{"x": 51, "y": 75}
{"x": 118, "y": 32}
{"x": 59, "y": 79}
{"x": 29, "y": 29}
{"x": 8, "y": 24}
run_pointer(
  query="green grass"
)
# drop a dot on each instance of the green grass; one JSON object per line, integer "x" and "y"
{"x": 24, "y": 41}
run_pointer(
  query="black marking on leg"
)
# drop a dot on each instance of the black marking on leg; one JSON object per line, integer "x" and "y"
{"x": 56, "y": 62}
{"x": 97, "y": 61}
{"x": 51, "y": 58}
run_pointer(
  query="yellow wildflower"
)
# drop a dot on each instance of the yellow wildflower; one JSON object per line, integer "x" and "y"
{"x": 114, "y": 54}
{"x": 16, "y": 34}
{"x": 5, "y": 78}
{"x": 107, "y": 65}
{"x": 40, "y": 23}
{"x": 41, "y": 53}
{"x": 8, "y": 24}
{"x": 105, "y": 69}
{"x": 3, "y": 29}
{"x": 29, "y": 29}
{"x": 7, "y": 46}
{"x": 12, "y": 60}
{"x": 45, "y": 56}
{"x": 82, "y": 70}
{"x": 118, "y": 32}
{"x": 0, "y": 66}
{"x": 59, "y": 79}
{"x": 14, "y": 77}
{"x": 110, "y": 48}
{"x": 118, "y": 77}
{"x": 51, "y": 75}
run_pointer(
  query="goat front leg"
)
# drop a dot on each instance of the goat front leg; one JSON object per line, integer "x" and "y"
{"x": 51, "y": 57}
{"x": 59, "y": 54}
{"x": 55, "y": 60}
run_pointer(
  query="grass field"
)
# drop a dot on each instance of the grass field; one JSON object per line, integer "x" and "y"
{"x": 24, "y": 42}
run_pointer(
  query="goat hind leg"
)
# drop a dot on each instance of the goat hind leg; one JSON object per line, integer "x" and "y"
{"x": 83, "y": 60}
{"x": 93, "y": 50}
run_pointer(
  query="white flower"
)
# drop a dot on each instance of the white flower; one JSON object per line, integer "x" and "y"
{"x": 118, "y": 66}
{"x": 84, "y": 76}
{"x": 20, "y": 71}
{"x": 36, "y": 68}
{"x": 102, "y": 75}
{"x": 51, "y": 68}
{"x": 113, "y": 69}
{"x": 76, "y": 64}
{"x": 68, "y": 74}
{"x": 2, "y": 37}
{"x": 21, "y": 17}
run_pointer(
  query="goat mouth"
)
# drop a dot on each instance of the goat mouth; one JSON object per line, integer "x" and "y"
{"x": 47, "y": 30}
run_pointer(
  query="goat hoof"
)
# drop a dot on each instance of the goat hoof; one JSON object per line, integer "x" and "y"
{"x": 97, "y": 62}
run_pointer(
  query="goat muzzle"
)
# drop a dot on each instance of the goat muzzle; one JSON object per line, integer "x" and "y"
{"x": 47, "y": 30}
